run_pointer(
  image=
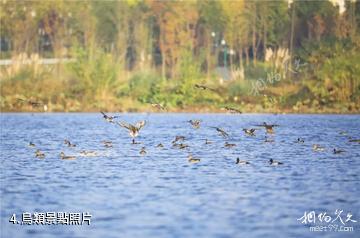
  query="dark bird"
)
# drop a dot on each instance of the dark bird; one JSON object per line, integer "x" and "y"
{"x": 335, "y": 151}
{"x": 160, "y": 146}
{"x": 143, "y": 151}
{"x": 207, "y": 142}
{"x": 300, "y": 140}
{"x": 193, "y": 160}
{"x": 195, "y": 123}
{"x": 241, "y": 162}
{"x": 178, "y": 138}
{"x": 68, "y": 143}
{"x": 274, "y": 162}
{"x": 355, "y": 140}
{"x": 107, "y": 144}
{"x": 222, "y": 132}
{"x": 180, "y": 146}
{"x": 249, "y": 132}
{"x": 268, "y": 127}
{"x": 109, "y": 118}
{"x": 183, "y": 146}
{"x": 30, "y": 102}
{"x": 31, "y": 144}
{"x": 227, "y": 145}
{"x": 39, "y": 154}
{"x": 63, "y": 156}
{"x": 133, "y": 129}
{"x": 232, "y": 110}
{"x": 203, "y": 87}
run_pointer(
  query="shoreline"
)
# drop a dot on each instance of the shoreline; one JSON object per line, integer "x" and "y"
{"x": 195, "y": 109}
{"x": 184, "y": 112}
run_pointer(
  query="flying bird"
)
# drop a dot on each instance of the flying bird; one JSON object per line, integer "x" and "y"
{"x": 133, "y": 129}
{"x": 158, "y": 106}
{"x": 195, "y": 123}
{"x": 30, "y": 102}
{"x": 268, "y": 127}
{"x": 232, "y": 110}
{"x": 249, "y": 132}
{"x": 221, "y": 131}
{"x": 108, "y": 118}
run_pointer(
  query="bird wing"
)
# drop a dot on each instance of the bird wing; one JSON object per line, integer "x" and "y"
{"x": 106, "y": 116}
{"x": 260, "y": 125}
{"x": 223, "y": 133}
{"x": 125, "y": 125}
{"x": 140, "y": 124}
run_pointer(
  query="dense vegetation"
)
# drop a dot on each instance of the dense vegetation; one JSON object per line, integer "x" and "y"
{"x": 256, "y": 56}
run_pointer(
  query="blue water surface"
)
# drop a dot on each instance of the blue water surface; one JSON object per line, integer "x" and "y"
{"x": 161, "y": 194}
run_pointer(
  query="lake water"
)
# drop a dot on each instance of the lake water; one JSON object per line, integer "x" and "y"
{"x": 161, "y": 194}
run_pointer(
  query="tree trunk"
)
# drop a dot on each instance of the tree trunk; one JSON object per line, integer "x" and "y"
{"x": 247, "y": 55}
{"x": 240, "y": 58}
{"x": 292, "y": 34}
{"x": 163, "y": 64}
{"x": 208, "y": 55}
{"x": 265, "y": 38}
{"x": 254, "y": 35}
{"x": 353, "y": 20}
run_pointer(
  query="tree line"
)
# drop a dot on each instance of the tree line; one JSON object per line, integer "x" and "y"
{"x": 193, "y": 39}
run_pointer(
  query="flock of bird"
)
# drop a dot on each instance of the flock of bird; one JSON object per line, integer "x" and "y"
{"x": 135, "y": 129}
{"x": 179, "y": 141}
{"x": 38, "y": 104}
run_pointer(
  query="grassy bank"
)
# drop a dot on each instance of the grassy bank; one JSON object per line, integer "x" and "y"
{"x": 95, "y": 81}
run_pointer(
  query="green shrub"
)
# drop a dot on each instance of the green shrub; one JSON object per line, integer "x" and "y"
{"x": 94, "y": 74}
